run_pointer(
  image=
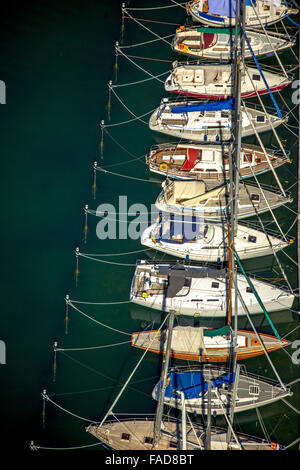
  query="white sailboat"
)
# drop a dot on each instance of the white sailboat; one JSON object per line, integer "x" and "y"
{"x": 222, "y": 13}
{"x": 215, "y": 81}
{"x": 209, "y": 122}
{"x": 252, "y": 391}
{"x": 192, "y": 238}
{"x": 200, "y": 291}
{"x": 216, "y": 43}
{"x": 196, "y": 198}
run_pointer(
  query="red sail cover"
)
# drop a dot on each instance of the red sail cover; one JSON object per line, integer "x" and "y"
{"x": 191, "y": 159}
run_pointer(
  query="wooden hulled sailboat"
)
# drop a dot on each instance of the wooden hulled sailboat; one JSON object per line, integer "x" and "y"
{"x": 137, "y": 433}
{"x": 191, "y": 161}
{"x": 204, "y": 344}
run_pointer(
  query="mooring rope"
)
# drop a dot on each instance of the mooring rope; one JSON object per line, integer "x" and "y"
{"x": 129, "y": 120}
{"x": 93, "y": 347}
{"x": 114, "y": 254}
{"x": 139, "y": 67}
{"x": 157, "y": 8}
{"x": 126, "y": 107}
{"x": 126, "y": 176}
{"x": 148, "y": 29}
{"x": 107, "y": 262}
{"x": 144, "y": 43}
{"x": 142, "y": 81}
{"x": 97, "y": 321}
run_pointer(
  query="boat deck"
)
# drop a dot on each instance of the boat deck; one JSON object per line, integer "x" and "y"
{"x": 137, "y": 434}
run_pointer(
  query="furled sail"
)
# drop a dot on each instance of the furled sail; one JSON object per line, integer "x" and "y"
{"x": 211, "y": 106}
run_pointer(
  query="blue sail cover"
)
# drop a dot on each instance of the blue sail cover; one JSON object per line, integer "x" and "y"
{"x": 193, "y": 384}
{"x": 211, "y": 106}
{"x": 225, "y": 7}
{"x": 186, "y": 226}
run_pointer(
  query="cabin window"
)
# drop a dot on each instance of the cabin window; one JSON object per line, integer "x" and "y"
{"x": 256, "y": 77}
{"x": 260, "y": 118}
{"x": 173, "y": 445}
{"x": 215, "y": 285}
{"x": 249, "y": 290}
{"x": 252, "y": 239}
{"x": 224, "y": 114}
{"x": 255, "y": 197}
{"x": 148, "y": 440}
{"x": 212, "y": 300}
{"x": 253, "y": 390}
{"x": 125, "y": 437}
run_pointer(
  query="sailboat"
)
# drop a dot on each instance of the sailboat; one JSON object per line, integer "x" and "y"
{"x": 200, "y": 291}
{"x": 190, "y": 237}
{"x": 205, "y": 390}
{"x": 137, "y": 433}
{"x": 209, "y": 122}
{"x": 214, "y": 81}
{"x": 191, "y": 161}
{"x": 203, "y": 344}
{"x": 252, "y": 391}
{"x": 222, "y": 13}
{"x": 195, "y": 198}
{"x": 215, "y": 43}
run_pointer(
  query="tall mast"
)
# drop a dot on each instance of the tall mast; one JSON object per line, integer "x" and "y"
{"x": 162, "y": 385}
{"x": 239, "y": 44}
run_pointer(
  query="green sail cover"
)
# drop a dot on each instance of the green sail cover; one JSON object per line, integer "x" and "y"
{"x": 225, "y": 330}
{"x": 218, "y": 30}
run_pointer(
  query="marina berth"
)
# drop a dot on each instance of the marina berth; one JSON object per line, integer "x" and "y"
{"x": 137, "y": 433}
{"x": 197, "y": 198}
{"x": 200, "y": 291}
{"x": 192, "y": 238}
{"x": 214, "y": 81}
{"x": 209, "y": 122}
{"x": 216, "y": 43}
{"x": 205, "y": 344}
{"x": 222, "y": 13}
{"x": 191, "y": 161}
{"x": 251, "y": 391}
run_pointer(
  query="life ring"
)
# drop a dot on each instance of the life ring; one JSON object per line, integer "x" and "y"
{"x": 163, "y": 166}
{"x": 154, "y": 240}
{"x": 144, "y": 295}
{"x": 188, "y": 7}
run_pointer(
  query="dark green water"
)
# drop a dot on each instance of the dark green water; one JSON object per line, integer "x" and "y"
{"x": 56, "y": 60}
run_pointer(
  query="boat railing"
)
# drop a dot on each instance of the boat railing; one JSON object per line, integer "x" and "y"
{"x": 269, "y": 231}
{"x": 267, "y": 188}
{"x": 268, "y": 109}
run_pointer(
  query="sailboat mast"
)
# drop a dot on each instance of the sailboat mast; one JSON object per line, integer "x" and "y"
{"x": 239, "y": 45}
{"x": 165, "y": 366}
